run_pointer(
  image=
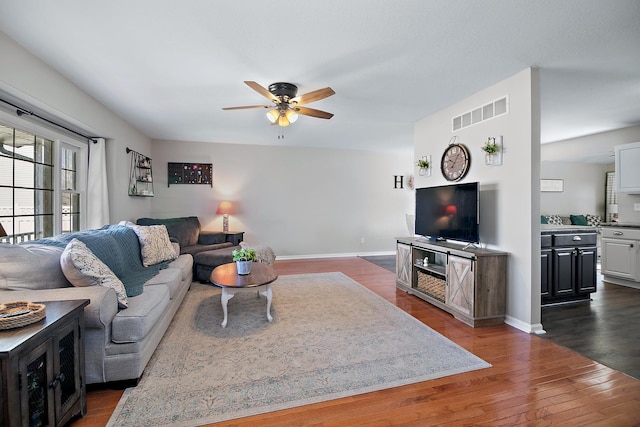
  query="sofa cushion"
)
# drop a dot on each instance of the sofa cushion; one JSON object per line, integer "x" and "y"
{"x": 215, "y": 258}
{"x": 554, "y": 219}
{"x": 135, "y": 322}
{"x": 211, "y": 237}
{"x": 593, "y": 220}
{"x": 578, "y": 220}
{"x": 155, "y": 246}
{"x": 186, "y": 229}
{"x": 171, "y": 277}
{"x": 184, "y": 263}
{"x": 31, "y": 266}
{"x": 203, "y": 248}
{"x": 82, "y": 268}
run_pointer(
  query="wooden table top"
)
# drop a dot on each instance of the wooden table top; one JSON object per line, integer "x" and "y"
{"x": 227, "y": 276}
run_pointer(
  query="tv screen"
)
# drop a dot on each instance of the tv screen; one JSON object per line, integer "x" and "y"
{"x": 448, "y": 212}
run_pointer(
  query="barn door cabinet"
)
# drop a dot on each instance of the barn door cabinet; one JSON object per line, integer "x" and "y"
{"x": 468, "y": 283}
{"x": 42, "y": 381}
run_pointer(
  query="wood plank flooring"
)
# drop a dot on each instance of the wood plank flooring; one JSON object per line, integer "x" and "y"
{"x": 532, "y": 381}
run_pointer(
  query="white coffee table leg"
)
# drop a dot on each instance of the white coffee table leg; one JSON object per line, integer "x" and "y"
{"x": 224, "y": 298}
{"x": 267, "y": 293}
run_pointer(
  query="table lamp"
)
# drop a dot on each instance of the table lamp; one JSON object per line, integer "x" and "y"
{"x": 225, "y": 209}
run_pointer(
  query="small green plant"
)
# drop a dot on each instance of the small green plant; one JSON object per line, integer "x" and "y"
{"x": 423, "y": 164}
{"x": 490, "y": 147}
{"x": 244, "y": 255}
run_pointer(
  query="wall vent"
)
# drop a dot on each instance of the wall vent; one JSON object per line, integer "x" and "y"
{"x": 491, "y": 110}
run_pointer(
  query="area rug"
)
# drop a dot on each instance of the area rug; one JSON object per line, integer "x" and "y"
{"x": 330, "y": 338}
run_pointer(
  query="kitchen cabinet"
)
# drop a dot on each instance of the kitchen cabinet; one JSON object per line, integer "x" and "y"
{"x": 568, "y": 266}
{"x": 627, "y": 159}
{"x": 621, "y": 253}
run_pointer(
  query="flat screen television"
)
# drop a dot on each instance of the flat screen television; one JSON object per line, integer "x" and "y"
{"x": 448, "y": 212}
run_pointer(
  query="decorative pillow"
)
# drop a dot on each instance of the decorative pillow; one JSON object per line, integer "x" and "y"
{"x": 554, "y": 219}
{"x": 155, "y": 246}
{"x": 578, "y": 220}
{"x": 543, "y": 220}
{"x": 593, "y": 220}
{"x": 82, "y": 268}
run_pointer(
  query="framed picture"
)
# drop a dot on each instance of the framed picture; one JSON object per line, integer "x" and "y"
{"x": 552, "y": 185}
{"x": 190, "y": 173}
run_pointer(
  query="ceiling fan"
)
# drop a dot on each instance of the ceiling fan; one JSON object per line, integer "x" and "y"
{"x": 287, "y": 104}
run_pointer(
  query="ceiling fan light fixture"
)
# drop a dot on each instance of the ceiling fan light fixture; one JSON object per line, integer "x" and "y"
{"x": 292, "y": 116}
{"x": 273, "y": 115}
{"x": 283, "y": 121}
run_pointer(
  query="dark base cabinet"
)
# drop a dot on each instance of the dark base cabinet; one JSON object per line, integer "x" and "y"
{"x": 42, "y": 381}
{"x": 568, "y": 266}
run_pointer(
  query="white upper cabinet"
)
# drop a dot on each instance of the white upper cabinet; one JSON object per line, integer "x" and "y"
{"x": 628, "y": 168}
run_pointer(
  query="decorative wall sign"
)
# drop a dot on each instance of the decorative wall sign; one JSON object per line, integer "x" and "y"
{"x": 190, "y": 173}
{"x": 555, "y": 185}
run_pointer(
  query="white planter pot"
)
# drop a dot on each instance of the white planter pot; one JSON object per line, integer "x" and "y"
{"x": 243, "y": 267}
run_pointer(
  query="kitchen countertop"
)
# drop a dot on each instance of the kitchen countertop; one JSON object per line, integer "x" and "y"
{"x": 563, "y": 229}
{"x": 620, "y": 224}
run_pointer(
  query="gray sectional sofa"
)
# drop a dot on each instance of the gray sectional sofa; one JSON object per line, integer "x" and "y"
{"x": 118, "y": 341}
{"x": 209, "y": 248}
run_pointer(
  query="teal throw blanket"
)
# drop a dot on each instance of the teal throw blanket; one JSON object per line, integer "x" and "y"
{"x": 119, "y": 248}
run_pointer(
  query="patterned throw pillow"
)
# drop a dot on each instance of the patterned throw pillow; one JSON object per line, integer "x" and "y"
{"x": 594, "y": 220}
{"x": 554, "y": 219}
{"x": 82, "y": 268}
{"x": 155, "y": 246}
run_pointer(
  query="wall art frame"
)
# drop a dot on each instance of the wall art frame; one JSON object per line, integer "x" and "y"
{"x": 190, "y": 173}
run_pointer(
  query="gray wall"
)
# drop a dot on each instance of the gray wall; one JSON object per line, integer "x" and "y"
{"x": 584, "y": 188}
{"x": 300, "y": 201}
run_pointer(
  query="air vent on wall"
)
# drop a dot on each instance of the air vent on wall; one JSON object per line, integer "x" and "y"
{"x": 493, "y": 109}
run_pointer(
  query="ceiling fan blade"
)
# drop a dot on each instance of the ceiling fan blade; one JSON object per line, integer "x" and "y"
{"x": 261, "y": 90}
{"x": 313, "y": 112}
{"x": 246, "y": 107}
{"x": 316, "y": 95}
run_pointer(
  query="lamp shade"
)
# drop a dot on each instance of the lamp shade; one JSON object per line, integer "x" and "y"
{"x": 225, "y": 208}
{"x": 273, "y": 115}
{"x": 613, "y": 208}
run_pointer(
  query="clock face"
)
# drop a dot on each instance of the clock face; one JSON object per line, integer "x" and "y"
{"x": 455, "y": 162}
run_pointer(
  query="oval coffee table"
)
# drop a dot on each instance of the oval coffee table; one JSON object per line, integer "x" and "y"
{"x": 226, "y": 277}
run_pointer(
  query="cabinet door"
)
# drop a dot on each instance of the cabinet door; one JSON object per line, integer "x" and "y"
{"x": 586, "y": 259}
{"x": 545, "y": 273}
{"x": 619, "y": 258}
{"x": 460, "y": 284}
{"x": 36, "y": 397}
{"x": 564, "y": 269}
{"x": 403, "y": 264}
{"x": 66, "y": 379}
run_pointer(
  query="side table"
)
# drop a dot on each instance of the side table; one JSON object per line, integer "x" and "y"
{"x": 235, "y": 237}
{"x": 42, "y": 368}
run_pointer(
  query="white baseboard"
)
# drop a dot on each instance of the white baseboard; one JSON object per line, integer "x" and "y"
{"x": 342, "y": 255}
{"x": 523, "y": 326}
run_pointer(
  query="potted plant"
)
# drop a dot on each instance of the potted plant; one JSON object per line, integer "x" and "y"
{"x": 490, "y": 148}
{"x": 423, "y": 164}
{"x": 243, "y": 259}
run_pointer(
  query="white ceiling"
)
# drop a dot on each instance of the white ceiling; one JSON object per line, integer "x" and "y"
{"x": 169, "y": 66}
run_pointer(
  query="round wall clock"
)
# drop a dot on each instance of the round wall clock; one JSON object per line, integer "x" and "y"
{"x": 455, "y": 162}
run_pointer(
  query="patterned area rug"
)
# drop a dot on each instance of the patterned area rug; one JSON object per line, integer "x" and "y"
{"x": 330, "y": 338}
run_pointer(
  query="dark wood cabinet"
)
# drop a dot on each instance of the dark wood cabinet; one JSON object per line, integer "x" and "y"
{"x": 568, "y": 266}
{"x": 43, "y": 368}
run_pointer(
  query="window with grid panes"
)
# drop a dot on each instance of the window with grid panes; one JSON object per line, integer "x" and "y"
{"x": 34, "y": 203}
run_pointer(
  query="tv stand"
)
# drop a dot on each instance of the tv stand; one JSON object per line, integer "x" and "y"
{"x": 468, "y": 282}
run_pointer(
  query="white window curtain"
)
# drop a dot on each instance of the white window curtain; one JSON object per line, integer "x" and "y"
{"x": 97, "y": 188}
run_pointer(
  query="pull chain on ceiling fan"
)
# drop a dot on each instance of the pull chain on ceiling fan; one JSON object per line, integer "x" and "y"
{"x": 287, "y": 104}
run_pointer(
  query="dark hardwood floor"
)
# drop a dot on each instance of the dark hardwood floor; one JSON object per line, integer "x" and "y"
{"x": 606, "y": 329}
{"x": 532, "y": 381}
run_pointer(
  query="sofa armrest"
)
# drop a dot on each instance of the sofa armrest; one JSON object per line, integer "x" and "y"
{"x": 211, "y": 238}
{"x": 99, "y": 313}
